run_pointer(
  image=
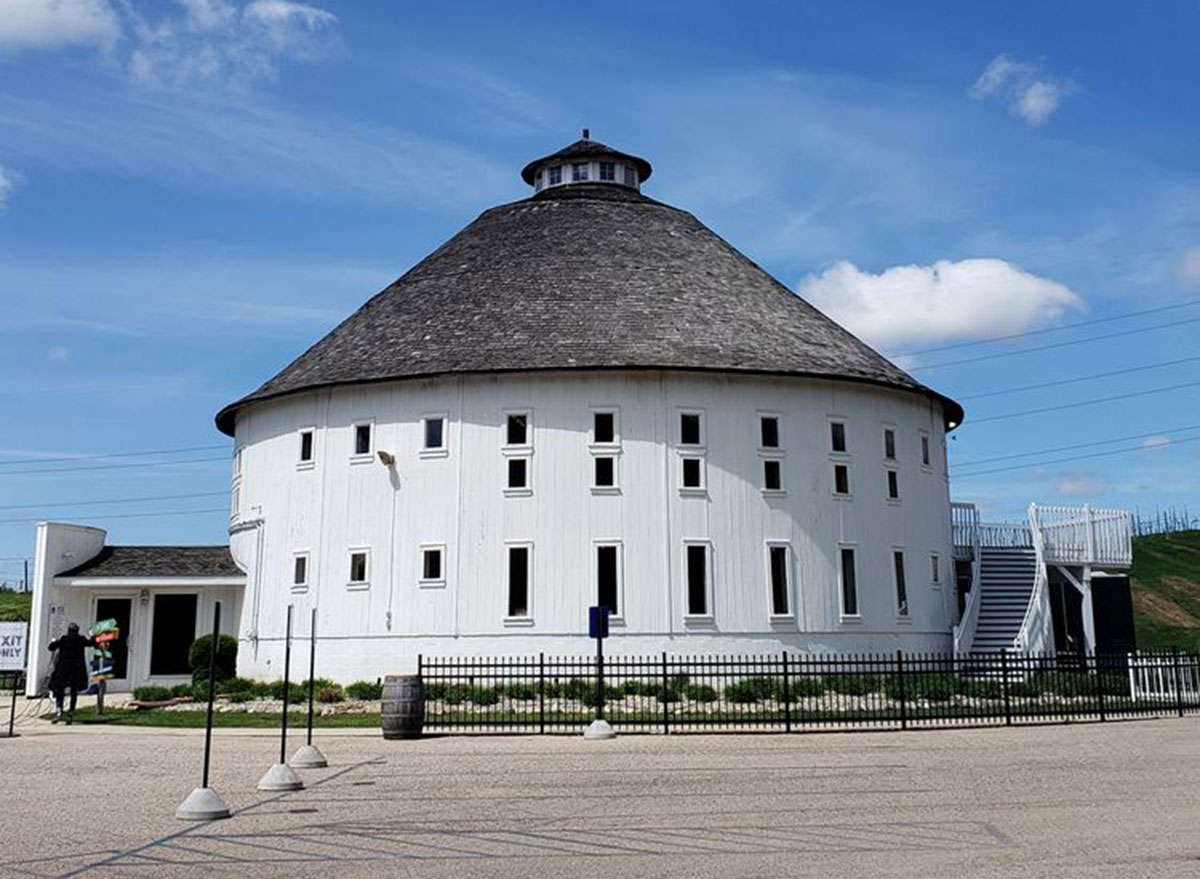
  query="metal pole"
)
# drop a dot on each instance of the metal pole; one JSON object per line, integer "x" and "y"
{"x": 1004, "y": 685}
{"x": 900, "y": 683}
{"x": 787, "y": 697}
{"x": 1178, "y": 681}
{"x": 212, "y": 671}
{"x": 541, "y": 694}
{"x": 665, "y": 704}
{"x": 599, "y": 679}
{"x": 1099, "y": 685}
{"x": 312, "y": 664}
{"x": 12, "y": 714}
{"x": 287, "y": 662}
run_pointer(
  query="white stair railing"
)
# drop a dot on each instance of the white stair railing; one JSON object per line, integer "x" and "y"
{"x": 1036, "y": 632}
{"x": 964, "y": 632}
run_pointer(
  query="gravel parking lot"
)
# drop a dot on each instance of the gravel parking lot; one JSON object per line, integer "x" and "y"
{"x": 1117, "y": 799}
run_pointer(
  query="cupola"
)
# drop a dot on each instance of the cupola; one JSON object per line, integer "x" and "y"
{"x": 586, "y": 161}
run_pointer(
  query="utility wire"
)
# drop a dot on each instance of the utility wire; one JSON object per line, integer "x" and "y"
{"x": 1083, "y": 378}
{"x": 1082, "y": 323}
{"x": 135, "y": 515}
{"x": 1107, "y": 442}
{"x": 119, "y": 500}
{"x": 112, "y": 455}
{"x": 1052, "y": 345}
{"x": 1079, "y": 403}
{"x": 1125, "y": 450}
{"x": 112, "y": 466}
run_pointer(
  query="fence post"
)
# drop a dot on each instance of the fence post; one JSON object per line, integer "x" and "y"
{"x": 1099, "y": 684}
{"x": 787, "y": 697}
{"x": 665, "y": 703}
{"x": 900, "y": 684}
{"x": 1004, "y": 685}
{"x": 541, "y": 694}
{"x": 1178, "y": 680}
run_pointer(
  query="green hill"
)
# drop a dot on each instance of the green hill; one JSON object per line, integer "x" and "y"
{"x": 14, "y": 606}
{"x": 1166, "y": 590}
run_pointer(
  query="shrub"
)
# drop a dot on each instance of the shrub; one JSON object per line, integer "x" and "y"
{"x": 743, "y": 692}
{"x": 297, "y": 693}
{"x": 483, "y": 695}
{"x": 456, "y": 694}
{"x": 232, "y": 685}
{"x": 852, "y": 685}
{"x": 579, "y": 689}
{"x": 239, "y": 696}
{"x": 226, "y": 663}
{"x": 700, "y": 693}
{"x": 434, "y": 690}
{"x": 981, "y": 689}
{"x": 520, "y": 691}
{"x": 636, "y": 688}
{"x": 1029, "y": 689}
{"x": 799, "y": 688}
{"x": 183, "y": 691}
{"x": 327, "y": 695}
{"x": 369, "y": 691}
{"x": 151, "y": 694}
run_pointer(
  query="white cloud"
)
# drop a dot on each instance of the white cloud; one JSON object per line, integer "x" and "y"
{"x": 1155, "y": 443}
{"x": 1028, "y": 92}
{"x": 968, "y": 299}
{"x": 1079, "y": 485}
{"x": 6, "y": 186}
{"x": 51, "y": 24}
{"x": 1188, "y": 267}
{"x": 59, "y": 354}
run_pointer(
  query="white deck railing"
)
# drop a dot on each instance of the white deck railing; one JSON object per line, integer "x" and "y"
{"x": 1156, "y": 677}
{"x": 1086, "y": 535}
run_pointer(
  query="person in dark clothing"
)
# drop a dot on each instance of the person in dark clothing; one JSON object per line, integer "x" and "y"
{"x": 70, "y": 669}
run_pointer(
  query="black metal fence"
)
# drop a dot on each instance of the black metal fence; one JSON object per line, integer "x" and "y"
{"x": 787, "y": 692}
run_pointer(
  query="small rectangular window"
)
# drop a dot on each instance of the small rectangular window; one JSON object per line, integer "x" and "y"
{"x": 780, "y": 605}
{"x": 237, "y": 463}
{"x": 837, "y": 436}
{"x": 537, "y": 182}
{"x": 431, "y": 564}
{"x": 604, "y": 427}
{"x": 924, "y": 451}
{"x": 893, "y": 485}
{"x": 935, "y": 569}
{"x": 693, "y": 473}
{"x": 435, "y": 433}
{"x": 516, "y": 430}
{"x": 630, "y": 179}
{"x": 518, "y": 581}
{"x": 306, "y": 446}
{"x": 849, "y": 584}
{"x": 689, "y": 429}
{"x": 841, "y": 479}
{"x": 901, "y": 585}
{"x": 518, "y": 472}
{"x": 608, "y": 171}
{"x": 358, "y": 567}
{"x": 772, "y": 475}
{"x": 605, "y": 472}
{"x": 555, "y": 175}
{"x": 769, "y": 430}
{"x": 607, "y": 574}
{"x": 362, "y": 439}
{"x": 697, "y": 580}
{"x": 235, "y": 500}
{"x": 300, "y": 570}
{"x": 889, "y": 444}
{"x": 579, "y": 172}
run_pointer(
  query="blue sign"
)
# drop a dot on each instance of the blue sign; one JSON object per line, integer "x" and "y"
{"x": 598, "y": 622}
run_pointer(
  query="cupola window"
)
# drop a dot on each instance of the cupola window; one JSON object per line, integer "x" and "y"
{"x": 555, "y": 175}
{"x": 630, "y": 178}
{"x": 579, "y": 172}
{"x": 608, "y": 171}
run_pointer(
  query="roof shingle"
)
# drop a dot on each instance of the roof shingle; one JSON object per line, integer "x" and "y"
{"x": 158, "y": 561}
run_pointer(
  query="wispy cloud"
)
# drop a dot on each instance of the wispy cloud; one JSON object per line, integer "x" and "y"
{"x": 1156, "y": 443}
{"x": 1080, "y": 485}
{"x": 968, "y": 299}
{"x": 52, "y": 24}
{"x": 6, "y": 185}
{"x": 1024, "y": 87}
{"x": 1187, "y": 267}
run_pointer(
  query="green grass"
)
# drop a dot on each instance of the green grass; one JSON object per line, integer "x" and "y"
{"x": 1166, "y": 590}
{"x": 14, "y": 606}
{"x": 195, "y": 719}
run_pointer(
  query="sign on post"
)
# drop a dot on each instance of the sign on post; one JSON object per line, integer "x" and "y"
{"x": 12, "y": 646}
{"x": 598, "y": 622}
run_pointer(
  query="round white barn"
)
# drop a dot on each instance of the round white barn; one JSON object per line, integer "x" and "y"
{"x": 588, "y": 397}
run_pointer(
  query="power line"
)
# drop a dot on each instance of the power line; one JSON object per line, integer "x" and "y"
{"x": 120, "y": 500}
{"x": 1079, "y": 403}
{"x": 1107, "y": 442}
{"x": 1052, "y": 345}
{"x": 1084, "y": 378}
{"x": 1191, "y": 439}
{"x": 1082, "y": 323}
{"x": 103, "y": 516}
{"x": 112, "y": 466}
{"x": 113, "y": 455}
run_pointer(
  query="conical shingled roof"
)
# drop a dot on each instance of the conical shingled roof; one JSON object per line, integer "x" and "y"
{"x": 584, "y": 277}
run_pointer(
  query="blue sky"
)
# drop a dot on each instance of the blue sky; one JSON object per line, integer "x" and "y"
{"x": 191, "y": 193}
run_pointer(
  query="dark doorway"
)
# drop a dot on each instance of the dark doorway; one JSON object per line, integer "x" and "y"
{"x": 173, "y": 633}
{"x": 1112, "y": 609}
{"x": 117, "y": 609}
{"x": 1066, "y": 613}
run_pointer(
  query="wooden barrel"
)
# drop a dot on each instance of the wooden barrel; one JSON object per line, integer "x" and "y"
{"x": 403, "y": 706}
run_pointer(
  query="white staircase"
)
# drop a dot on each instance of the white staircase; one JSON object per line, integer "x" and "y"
{"x": 1006, "y": 585}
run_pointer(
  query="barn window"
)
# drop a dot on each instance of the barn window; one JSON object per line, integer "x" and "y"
{"x": 608, "y": 576}
{"x": 431, "y": 563}
{"x": 555, "y": 175}
{"x": 889, "y": 444}
{"x": 435, "y": 433}
{"x": 358, "y": 567}
{"x": 604, "y": 428}
{"x": 924, "y": 450}
{"x": 300, "y": 570}
{"x": 518, "y": 581}
{"x": 849, "y": 583}
{"x": 605, "y": 475}
{"x": 518, "y": 472}
{"x": 693, "y": 473}
{"x": 901, "y": 585}
{"x": 777, "y": 563}
{"x": 841, "y": 479}
{"x": 608, "y": 171}
{"x": 935, "y": 569}
{"x": 769, "y": 431}
{"x": 893, "y": 485}
{"x": 689, "y": 429}
{"x": 516, "y": 429}
{"x": 696, "y": 572}
{"x": 837, "y": 436}
{"x": 772, "y": 475}
{"x": 362, "y": 439}
{"x": 306, "y": 446}
{"x": 579, "y": 172}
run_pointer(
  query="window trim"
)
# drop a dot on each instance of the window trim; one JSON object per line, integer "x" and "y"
{"x": 443, "y": 450}
{"x": 779, "y": 449}
{"x": 788, "y": 568}
{"x": 365, "y": 583}
{"x": 617, "y": 618}
{"x": 702, "y": 445}
{"x": 424, "y": 582}
{"x": 848, "y": 494}
{"x": 780, "y": 489}
{"x": 615, "y": 487}
{"x": 856, "y": 616}
{"x": 935, "y": 570}
{"x": 554, "y": 176}
{"x": 708, "y": 616}
{"x": 895, "y": 457}
{"x": 307, "y": 556}
{"x": 925, "y": 450}
{"x": 301, "y": 462}
{"x": 528, "y": 444}
{"x": 525, "y": 490}
{"x": 527, "y": 619}
{"x": 892, "y": 477}
{"x": 831, "y": 420}
{"x": 702, "y": 487}
{"x": 615, "y": 442}
{"x": 357, "y": 457}
{"x": 898, "y": 574}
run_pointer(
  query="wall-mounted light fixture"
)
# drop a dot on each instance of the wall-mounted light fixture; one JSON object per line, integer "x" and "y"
{"x": 144, "y": 597}
{"x": 387, "y": 459}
